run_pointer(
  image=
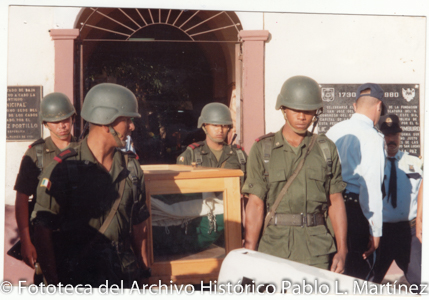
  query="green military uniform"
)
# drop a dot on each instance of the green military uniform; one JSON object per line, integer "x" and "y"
{"x": 29, "y": 171}
{"x": 201, "y": 154}
{"x": 307, "y": 194}
{"x": 228, "y": 159}
{"x": 74, "y": 197}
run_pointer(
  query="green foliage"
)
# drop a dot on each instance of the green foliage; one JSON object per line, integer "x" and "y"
{"x": 149, "y": 81}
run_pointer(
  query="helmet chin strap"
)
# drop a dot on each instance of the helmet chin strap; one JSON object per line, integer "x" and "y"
{"x": 117, "y": 137}
{"x": 314, "y": 121}
{"x": 298, "y": 131}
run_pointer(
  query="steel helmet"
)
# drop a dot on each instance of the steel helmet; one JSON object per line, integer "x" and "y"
{"x": 300, "y": 92}
{"x": 106, "y": 102}
{"x": 56, "y": 107}
{"x": 215, "y": 113}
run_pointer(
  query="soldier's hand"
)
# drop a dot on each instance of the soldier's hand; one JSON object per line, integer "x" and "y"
{"x": 338, "y": 262}
{"x": 29, "y": 254}
{"x": 372, "y": 246}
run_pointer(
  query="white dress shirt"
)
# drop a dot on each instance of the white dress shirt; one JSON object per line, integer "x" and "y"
{"x": 361, "y": 150}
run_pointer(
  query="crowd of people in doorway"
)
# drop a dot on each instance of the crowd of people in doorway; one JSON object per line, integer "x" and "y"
{"x": 349, "y": 201}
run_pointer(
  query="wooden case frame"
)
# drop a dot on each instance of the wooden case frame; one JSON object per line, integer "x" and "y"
{"x": 176, "y": 179}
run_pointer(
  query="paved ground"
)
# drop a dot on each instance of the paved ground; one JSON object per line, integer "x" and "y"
{"x": 15, "y": 270}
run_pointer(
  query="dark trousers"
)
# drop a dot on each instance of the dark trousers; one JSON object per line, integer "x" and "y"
{"x": 357, "y": 242}
{"x": 399, "y": 243}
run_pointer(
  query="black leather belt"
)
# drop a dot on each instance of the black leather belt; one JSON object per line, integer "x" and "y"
{"x": 350, "y": 197}
{"x": 297, "y": 220}
{"x": 411, "y": 223}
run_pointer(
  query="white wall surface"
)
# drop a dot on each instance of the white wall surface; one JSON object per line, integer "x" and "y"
{"x": 352, "y": 70}
{"x": 251, "y": 20}
{"x": 30, "y": 62}
{"x": 328, "y": 48}
{"x": 342, "y": 49}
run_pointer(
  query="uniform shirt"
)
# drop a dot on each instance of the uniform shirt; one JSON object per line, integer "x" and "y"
{"x": 78, "y": 194}
{"x": 28, "y": 175}
{"x": 228, "y": 159}
{"x": 408, "y": 177}
{"x": 308, "y": 193}
{"x": 361, "y": 150}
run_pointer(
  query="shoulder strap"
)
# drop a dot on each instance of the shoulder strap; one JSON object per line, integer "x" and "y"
{"x": 115, "y": 205}
{"x": 39, "y": 155}
{"x": 240, "y": 155}
{"x": 242, "y": 159}
{"x": 288, "y": 183}
{"x": 132, "y": 168}
{"x": 267, "y": 146}
{"x": 39, "y": 152}
{"x": 323, "y": 144}
{"x": 72, "y": 170}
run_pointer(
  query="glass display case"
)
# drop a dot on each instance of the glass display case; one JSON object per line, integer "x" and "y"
{"x": 195, "y": 221}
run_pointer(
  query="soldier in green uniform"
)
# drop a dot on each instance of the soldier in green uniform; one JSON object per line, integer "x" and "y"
{"x": 214, "y": 152}
{"x": 90, "y": 212}
{"x": 57, "y": 114}
{"x": 300, "y": 228}
{"x": 216, "y": 121}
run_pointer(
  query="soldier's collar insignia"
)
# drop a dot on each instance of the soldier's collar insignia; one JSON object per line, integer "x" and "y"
{"x": 389, "y": 122}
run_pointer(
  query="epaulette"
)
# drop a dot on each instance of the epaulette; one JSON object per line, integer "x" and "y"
{"x": 238, "y": 147}
{"x": 265, "y": 136}
{"x": 65, "y": 154}
{"x": 39, "y": 141}
{"x": 195, "y": 145}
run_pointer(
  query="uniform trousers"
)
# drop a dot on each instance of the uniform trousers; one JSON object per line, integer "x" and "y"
{"x": 399, "y": 243}
{"x": 357, "y": 242}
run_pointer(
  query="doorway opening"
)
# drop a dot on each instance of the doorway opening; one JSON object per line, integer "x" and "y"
{"x": 174, "y": 61}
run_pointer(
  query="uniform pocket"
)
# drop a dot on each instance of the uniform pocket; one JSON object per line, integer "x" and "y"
{"x": 276, "y": 241}
{"x": 277, "y": 175}
{"x": 316, "y": 184}
{"x": 320, "y": 241}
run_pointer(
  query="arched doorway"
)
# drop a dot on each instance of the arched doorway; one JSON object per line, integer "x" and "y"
{"x": 175, "y": 61}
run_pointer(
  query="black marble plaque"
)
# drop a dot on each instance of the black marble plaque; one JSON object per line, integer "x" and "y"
{"x": 23, "y": 106}
{"x": 400, "y": 99}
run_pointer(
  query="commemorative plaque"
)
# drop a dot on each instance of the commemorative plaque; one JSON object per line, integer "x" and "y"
{"x": 23, "y": 106}
{"x": 402, "y": 100}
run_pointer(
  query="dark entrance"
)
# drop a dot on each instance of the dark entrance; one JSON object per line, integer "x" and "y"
{"x": 172, "y": 74}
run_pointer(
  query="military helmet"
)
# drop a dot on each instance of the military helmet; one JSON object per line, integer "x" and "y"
{"x": 215, "y": 113}
{"x": 300, "y": 92}
{"x": 106, "y": 102}
{"x": 56, "y": 107}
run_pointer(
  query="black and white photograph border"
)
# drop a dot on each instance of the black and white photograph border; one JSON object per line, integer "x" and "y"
{"x": 392, "y": 8}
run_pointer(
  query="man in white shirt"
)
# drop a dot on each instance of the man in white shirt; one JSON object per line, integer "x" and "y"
{"x": 402, "y": 180}
{"x": 361, "y": 150}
